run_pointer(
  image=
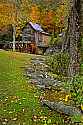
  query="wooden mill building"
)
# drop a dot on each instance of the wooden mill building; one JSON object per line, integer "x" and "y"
{"x": 34, "y": 38}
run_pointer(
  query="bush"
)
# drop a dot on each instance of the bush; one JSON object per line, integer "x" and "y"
{"x": 75, "y": 87}
{"x": 55, "y": 40}
{"x": 59, "y": 63}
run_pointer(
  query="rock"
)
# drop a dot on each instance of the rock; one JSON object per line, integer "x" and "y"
{"x": 57, "y": 83}
{"x": 41, "y": 86}
{"x": 52, "y": 50}
{"x": 61, "y": 108}
{"x": 33, "y": 81}
{"x": 29, "y": 75}
{"x": 44, "y": 87}
{"x": 30, "y": 70}
{"x": 38, "y": 73}
{"x": 36, "y": 62}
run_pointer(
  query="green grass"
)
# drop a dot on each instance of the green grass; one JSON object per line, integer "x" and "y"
{"x": 19, "y": 100}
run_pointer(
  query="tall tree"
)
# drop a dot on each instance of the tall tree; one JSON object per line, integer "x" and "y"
{"x": 35, "y": 13}
{"x": 8, "y": 16}
{"x": 72, "y": 39}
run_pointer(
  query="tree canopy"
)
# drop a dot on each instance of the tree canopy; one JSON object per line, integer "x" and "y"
{"x": 50, "y": 14}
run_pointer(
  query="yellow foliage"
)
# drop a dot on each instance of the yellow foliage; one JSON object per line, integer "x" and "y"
{"x": 67, "y": 98}
{"x": 34, "y": 14}
{"x": 7, "y": 13}
{"x": 82, "y": 107}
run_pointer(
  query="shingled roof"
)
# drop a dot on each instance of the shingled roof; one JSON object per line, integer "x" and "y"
{"x": 36, "y": 27}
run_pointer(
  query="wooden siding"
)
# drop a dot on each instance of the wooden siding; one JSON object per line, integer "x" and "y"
{"x": 30, "y": 35}
{"x": 46, "y": 39}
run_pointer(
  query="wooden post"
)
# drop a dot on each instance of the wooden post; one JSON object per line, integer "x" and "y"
{"x": 36, "y": 37}
{"x": 14, "y": 32}
{"x": 26, "y": 48}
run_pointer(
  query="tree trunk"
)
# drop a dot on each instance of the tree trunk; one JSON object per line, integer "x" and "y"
{"x": 14, "y": 33}
{"x": 72, "y": 39}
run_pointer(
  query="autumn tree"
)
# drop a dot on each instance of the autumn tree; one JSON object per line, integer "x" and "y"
{"x": 8, "y": 16}
{"x": 34, "y": 13}
{"x": 15, "y": 13}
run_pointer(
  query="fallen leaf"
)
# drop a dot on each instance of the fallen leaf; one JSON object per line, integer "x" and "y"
{"x": 10, "y": 112}
{"x": 4, "y": 110}
{"x": 23, "y": 110}
{"x": 35, "y": 117}
{"x": 5, "y": 99}
{"x": 6, "y": 120}
{"x": 14, "y": 119}
{"x": 66, "y": 98}
{"x": 20, "y": 103}
{"x": 4, "y": 123}
{"x": 49, "y": 121}
{"x": 12, "y": 101}
{"x": 24, "y": 123}
{"x": 24, "y": 98}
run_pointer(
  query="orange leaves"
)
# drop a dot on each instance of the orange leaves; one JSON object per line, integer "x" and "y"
{"x": 47, "y": 20}
{"x": 49, "y": 17}
{"x": 7, "y": 13}
{"x": 34, "y": 14}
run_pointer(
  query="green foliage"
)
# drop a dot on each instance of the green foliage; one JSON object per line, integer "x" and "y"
{"x": 75, "y": 87}
{"x": 55, "y": 39}
{"x": 58, "y": 63}
{"x": 5, "y": 37}
{"x": 76, "y": 118}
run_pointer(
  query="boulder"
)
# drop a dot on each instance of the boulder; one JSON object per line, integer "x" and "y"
{"x": 62, "y": 108}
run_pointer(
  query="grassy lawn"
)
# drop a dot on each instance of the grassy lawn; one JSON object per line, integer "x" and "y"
{"x": 19, "y": 101}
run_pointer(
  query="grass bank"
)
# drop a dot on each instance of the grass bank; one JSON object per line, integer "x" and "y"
{"x": 19, "y": 100}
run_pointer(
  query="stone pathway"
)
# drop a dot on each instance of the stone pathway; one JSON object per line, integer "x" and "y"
{"x": 38, "y": 74}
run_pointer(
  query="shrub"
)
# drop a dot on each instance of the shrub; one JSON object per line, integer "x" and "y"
{"x": 59, "y": 63}
{"x": 55, "y": 40}
{"x": 75, "y": 87}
